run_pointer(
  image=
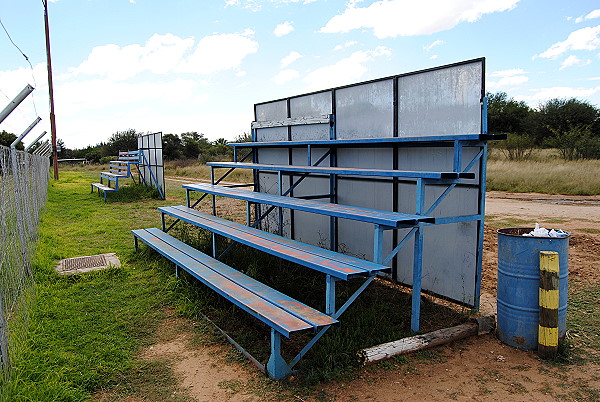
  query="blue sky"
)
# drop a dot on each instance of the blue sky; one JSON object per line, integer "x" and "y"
{"x": 199, "y": 65}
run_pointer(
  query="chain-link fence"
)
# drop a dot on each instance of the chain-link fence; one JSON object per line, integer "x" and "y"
{"x": 23, "y": 193}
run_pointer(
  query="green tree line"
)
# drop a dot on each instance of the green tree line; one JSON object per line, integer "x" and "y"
{"x": 188, "y": 145}
{"x": 570, "y": 125}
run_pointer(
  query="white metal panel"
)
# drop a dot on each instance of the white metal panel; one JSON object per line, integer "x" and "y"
{"x": 441, "y": 102}
{"x": 365, "y": 111}
{"x": 311, "y": 105}
{"x": 356, "y": 238}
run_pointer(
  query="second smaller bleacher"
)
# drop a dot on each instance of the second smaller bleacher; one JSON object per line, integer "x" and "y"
{"x": 118, "y": 169}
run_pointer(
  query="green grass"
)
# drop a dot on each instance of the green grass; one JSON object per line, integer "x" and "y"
{"x": 83, "y": 332}
{"x": 583, "y": 323}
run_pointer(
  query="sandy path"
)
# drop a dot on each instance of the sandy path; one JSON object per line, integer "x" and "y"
{"x": 540, "y": 207}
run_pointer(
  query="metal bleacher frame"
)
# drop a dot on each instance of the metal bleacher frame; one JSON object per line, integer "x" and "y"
{"x": 118, "y": 169}
{"x": 335, "y": 265}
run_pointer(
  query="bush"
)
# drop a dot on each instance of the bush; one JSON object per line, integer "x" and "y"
{"x": 134, "y": 192}
{"x": 576, "y": 143}
{"x": 106, "y": 159}
{"x": 517, "y": 147}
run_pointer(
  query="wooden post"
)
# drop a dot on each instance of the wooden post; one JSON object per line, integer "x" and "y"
{"x": 548, "y": 326}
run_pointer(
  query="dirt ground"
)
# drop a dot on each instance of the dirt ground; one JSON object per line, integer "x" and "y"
{"x": 480, "y": 368}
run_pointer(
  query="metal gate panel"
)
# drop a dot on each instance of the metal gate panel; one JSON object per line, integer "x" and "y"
{"x": 151, "y": 166}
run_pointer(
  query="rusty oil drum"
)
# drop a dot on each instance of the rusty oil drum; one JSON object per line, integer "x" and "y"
{"x": 518, "y": 285}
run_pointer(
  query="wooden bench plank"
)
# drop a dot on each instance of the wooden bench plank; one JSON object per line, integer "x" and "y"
{"x": 329, "y": 262}
{"x": 275, "y": 309}
{"x": 346, "y": 171}
{"x": 387, "y": 218}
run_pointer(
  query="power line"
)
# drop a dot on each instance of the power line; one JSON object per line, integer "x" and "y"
{"x": 27, "y": 59}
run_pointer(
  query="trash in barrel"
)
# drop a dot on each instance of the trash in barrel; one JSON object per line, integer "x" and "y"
{"x": 519, "y": 282}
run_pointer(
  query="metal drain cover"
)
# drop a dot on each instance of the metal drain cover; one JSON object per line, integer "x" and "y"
{"x": 88, "y": 263}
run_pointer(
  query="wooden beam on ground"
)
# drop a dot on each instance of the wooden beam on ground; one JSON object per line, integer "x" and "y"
{"x": 411, "y": 344}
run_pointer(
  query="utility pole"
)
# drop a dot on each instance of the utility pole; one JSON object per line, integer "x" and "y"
{"x": 51, "y": 92}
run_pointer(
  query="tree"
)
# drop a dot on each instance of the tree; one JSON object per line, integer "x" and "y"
{"x": 7, "y": 138}
{"x": 64, "y": 151}
{"x": 220, "y": 147}
{"x": 122, "y": 141}
{"x": 565, "y": 115}
{"x": 172, "y": 146}
{"x": 575, "y": 143}
{"x": 193, "y": 144}
{"x": 506, "y": 115}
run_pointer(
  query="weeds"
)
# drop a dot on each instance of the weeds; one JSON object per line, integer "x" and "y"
{"x": 550, "y": 176}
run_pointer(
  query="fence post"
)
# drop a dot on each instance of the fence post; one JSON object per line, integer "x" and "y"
{"x": 548, "y": 326}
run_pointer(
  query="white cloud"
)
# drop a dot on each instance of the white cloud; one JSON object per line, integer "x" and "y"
{"x": 219, "y": 52}
{"x": 345, "y": 45}
{"x": 344, "y": 71}
{"x": 283, "y": 29}
{"x": 290, "y": 58}
{"x": 392, "y": 18}
{"x": 77, "y": 96}
{"x": 168, "y": 53}
{"x": 508, "y": 73}
{"x": 544, "y": 94}
{"x": 583, "y": 39}
{"x": 433, "y": 57}
{"x": 432, "y": 45}
{"x": 591, "y": 15}
{"x": 285, "y": 76}
{"x": 256, "y": 5}
{"x": 160, "y": 54}
{"x": 507, "y": 79}
{"x": 574, "y": 61}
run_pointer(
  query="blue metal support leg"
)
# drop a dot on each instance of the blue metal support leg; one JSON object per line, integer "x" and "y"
{"x": 279, "y": 209}
{"x": 214, "y": 245}
{"x": 417, "y": 275}
{"x": 212, "y": 181}
{"x": 337, "y": 314}
{"x": 248, "y": 213}
{"x": 277, "y": 368}
{"x": 418, "y": 260}
{"x": 330, "y": 294}
{"x": 378, "y": 244}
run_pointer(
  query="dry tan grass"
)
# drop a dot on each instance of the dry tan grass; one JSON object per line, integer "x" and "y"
{"x": 551, "y": 176}
{"x": 193, "y": 169}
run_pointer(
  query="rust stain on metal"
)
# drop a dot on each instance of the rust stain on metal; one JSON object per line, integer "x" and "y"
{"x": 519, "y": 340}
